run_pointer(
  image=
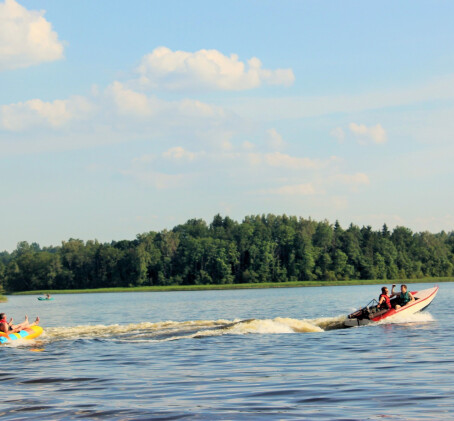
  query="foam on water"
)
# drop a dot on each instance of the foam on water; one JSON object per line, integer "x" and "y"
{"x": 173, "y": 330}
{"x": 423, "y": 317}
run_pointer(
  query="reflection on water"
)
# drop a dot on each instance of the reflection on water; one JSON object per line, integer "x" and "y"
{"x": 216, "y": 355}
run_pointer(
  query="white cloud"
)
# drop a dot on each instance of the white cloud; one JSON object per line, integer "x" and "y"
{"x": 262, "y": 173}
{"x": 128, "y": 101}
{"x": 160, "y": 181}
{"x": 248, "y": 146}
{"x": 37, "y": 113}
{"x": 278, "y": 159}
{"x": 121, "y": 107}
{"x": 298, "y": 107}
{"x": 144, "y": 170}
{"x": 358, "y": 178}
{"x": 275, "y": 140}
{"x": 244, "y": 157}
{"x": 180, "y": 154}
{"x": 363, "y": 133}
{"x": 206, "y": 69}
{"x": 293, "y": 190}
{"x": 339, "y": 134}
{"x": 375, "y": 134}
{"x": 254, "y": 158}
{"x": 352, "y": 181}
{"x": 144, "y": 160}
{"x": 194, "y": 108}
{"x": 26, "y": 38}
{"x": 131, "y": 103}
{"x": 339, "y": 202}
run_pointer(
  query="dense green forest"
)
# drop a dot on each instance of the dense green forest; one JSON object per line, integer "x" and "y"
{"x": 259, "y": 249}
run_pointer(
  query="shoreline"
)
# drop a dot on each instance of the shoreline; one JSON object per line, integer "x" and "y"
{"x": 266, "y": 285}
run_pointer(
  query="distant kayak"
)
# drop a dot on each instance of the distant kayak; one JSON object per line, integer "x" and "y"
{"x": 27, "y": 333}
{"x": 45, "y": 299}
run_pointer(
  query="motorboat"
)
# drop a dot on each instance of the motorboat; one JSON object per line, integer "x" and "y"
{"x": 371, "y": 314}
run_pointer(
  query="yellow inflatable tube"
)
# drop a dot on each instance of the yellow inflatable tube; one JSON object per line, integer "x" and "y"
{"x": 28, "y": 333}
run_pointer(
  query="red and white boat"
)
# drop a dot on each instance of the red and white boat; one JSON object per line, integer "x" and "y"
{"x": 370, "y": 314}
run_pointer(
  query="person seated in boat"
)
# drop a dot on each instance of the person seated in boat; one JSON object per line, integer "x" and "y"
{"x": 403, "y": 297}
{"x": 47, "y": 296}
{"x": 8, "y": 327}
{"x": 384, "y": 302}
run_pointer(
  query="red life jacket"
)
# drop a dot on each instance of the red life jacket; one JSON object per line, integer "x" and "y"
{"x": 7, "y": 325}
{"x": 387, "y": 302}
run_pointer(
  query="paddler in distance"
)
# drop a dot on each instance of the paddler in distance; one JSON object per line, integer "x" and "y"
{"x": 8, "y": 327}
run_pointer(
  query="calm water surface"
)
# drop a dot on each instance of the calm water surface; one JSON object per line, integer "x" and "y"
{"x": 187, "y": 355}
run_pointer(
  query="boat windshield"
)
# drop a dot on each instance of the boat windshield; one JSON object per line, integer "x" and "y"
{"x": 372, "y": 303}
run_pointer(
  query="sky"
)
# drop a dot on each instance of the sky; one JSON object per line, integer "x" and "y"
{"x": 120, "y": 118}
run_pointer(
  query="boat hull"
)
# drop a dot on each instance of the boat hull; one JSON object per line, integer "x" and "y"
{"x": 423, "y": 299}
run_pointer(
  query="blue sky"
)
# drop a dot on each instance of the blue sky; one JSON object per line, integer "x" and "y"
{"x": 119, "y": 118}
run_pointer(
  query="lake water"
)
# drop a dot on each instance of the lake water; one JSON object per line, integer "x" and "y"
{"x": 182, "y": 355}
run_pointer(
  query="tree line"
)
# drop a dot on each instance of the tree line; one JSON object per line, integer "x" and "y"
{"x": 262, "y": 248}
